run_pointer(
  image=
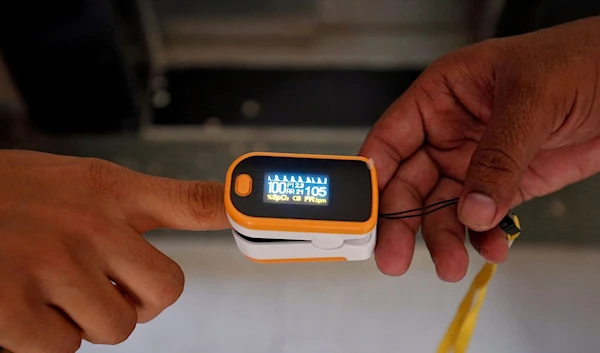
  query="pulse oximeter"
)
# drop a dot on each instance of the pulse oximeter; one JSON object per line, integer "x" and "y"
{"x": 301, "y": 207}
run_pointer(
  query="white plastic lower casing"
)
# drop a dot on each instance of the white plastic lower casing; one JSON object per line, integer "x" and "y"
{"x": 304, "y": 246}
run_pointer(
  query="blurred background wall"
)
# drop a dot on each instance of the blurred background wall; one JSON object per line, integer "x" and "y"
{"x": 180, "y": 88}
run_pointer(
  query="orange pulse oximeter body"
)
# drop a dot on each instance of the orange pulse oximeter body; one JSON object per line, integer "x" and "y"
{"x": 302, "y": 207}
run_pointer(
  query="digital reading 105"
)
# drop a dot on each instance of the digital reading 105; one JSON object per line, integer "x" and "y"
{"x": 300, "y": 189}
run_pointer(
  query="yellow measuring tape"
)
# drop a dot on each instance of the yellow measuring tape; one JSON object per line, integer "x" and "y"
{"x": 458, "y": 335}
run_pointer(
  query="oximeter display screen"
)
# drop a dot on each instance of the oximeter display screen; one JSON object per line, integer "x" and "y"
{"x": 303, "y": 188}
{"x": 296, "y": 188}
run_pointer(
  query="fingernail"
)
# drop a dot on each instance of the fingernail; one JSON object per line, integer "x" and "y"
{"x": 478, "y": 212}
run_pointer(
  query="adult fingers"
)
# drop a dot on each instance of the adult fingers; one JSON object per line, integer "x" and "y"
{"x": 92, "y": 302}
{"x": 40, "y": 329}
{"x": 548, "y": 172}
{"x": 491, "y": 245}
{"x": 453, "y": 163}
{"x": 407, "y": 189}
{"x": 27, "y": 324}
{"x": 525, "y": 114}
{"x": 146, "y": 277}
{"x": 395, "y": 136}
{"x": 444, "y": 235}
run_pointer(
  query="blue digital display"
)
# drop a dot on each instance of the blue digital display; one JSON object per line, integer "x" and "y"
{"x": 299, "y": 189}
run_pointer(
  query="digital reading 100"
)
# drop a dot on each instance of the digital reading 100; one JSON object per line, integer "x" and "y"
{"x": 300, "y": 189}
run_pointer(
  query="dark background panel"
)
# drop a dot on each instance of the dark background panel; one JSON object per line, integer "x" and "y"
{"x": 79, "y": 65}
{"x": 82, "y": 66}
{"x": 285, "y": 97}
{"x": 522, "y": 16}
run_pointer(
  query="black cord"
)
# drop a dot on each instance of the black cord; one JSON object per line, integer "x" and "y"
{"x": 451, "y": 202}
{"x": 508, "y": 223}
{"x": 424, "y": 210}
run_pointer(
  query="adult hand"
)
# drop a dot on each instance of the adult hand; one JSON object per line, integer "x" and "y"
{"x": 73, "y": 262}
{"x": 496, "y": 123}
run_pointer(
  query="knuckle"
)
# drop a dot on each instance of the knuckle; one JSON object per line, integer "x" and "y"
{"x": 120, "y": 325}
{"x": 173, "y": 286}
{"x": 74, "y": 345}
{"x": 60, "y": 343}
{"x": 116, "y": 336}
{"x": 68, "y": 344}
{"x": 19, "y": 319}
{"x": 204, "y": 200}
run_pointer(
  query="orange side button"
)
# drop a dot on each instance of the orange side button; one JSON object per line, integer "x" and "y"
{"x": 243, "y": 185}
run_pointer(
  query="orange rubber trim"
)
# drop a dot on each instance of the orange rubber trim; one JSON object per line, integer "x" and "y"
{"x": 296, "y": 225}
{"x": 300, "y": 260}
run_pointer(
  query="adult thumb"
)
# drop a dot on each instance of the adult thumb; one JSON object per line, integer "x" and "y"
{"x": 521, "y": 121}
